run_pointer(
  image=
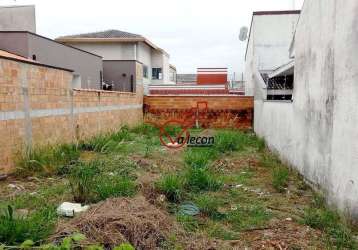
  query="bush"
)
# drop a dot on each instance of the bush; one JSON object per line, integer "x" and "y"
{"x": 280, "y": 177}
{"x": 201, "y": 179}
{"x": 171, "y": 186}
{"x": 36, "y": 227}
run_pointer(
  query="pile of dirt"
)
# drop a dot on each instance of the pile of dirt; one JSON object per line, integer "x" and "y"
{"x": 116, "y": 221}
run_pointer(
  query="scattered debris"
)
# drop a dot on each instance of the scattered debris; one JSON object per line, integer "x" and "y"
{"x": 71, "y": 209}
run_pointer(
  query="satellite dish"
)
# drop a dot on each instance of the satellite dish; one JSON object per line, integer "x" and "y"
{"x": 243, "y": 33}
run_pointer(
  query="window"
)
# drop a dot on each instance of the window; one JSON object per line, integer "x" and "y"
{"x": 157, "y": 74}
{"x": 34, "y": 57}
{"x": 145, "y": 71}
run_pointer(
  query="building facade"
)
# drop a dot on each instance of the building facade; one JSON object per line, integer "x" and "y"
{"x": 120, "y": 51}
{"x": 87, "y": 67}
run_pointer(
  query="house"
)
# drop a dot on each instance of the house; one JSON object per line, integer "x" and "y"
{"x": 268, "y": 53}
{"x": 87, "y": 67}
{"x": 121, "y": 51}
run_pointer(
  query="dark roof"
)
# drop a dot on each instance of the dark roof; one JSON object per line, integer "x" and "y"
{"x": 276, "y": 12}
{"x": 105, "y": 34}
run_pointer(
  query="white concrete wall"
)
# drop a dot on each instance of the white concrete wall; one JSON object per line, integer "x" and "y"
{"x": 144, "y": 55}
{"x": 269, "y": 43}
{"x": 317, "y": 133}
{"x": 18, "y": 18}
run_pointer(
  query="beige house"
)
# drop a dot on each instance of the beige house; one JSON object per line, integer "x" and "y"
{"x": 121, "y": 51}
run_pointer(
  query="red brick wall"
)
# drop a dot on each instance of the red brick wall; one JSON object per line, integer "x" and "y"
{"x": 223, "y": 111}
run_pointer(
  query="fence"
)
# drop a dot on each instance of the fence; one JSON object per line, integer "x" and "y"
{"x": 38, "y": 107}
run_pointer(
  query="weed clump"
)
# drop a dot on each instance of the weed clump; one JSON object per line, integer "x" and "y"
{"x": 201, "y": 179}
{"x": 46, "y": 160}
{"x": 280, "y": 176}
{"x": 15, "y": 229}
{"x": 248, "y": 217}
{"x": 318, "y": 216}
{"x": 209, "y": 205}
{"x": 90, "y": 184}
{"x": 172, "y": 187}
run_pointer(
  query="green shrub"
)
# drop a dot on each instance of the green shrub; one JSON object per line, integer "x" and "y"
{"x": 171, "y": 186}
{"x": 201, "y": 179}
{"x": 280, "y": 177}
{"x": 82, "y": 180}
{"x": 114, "y": 186}
{"x": 35, "y": 227}
{"x": 248, "y": 217}
{"x": 208, "y": 205}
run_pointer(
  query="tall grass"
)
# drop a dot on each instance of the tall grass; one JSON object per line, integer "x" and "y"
{"x": 36, "y": 227}
{"x": 46, "y": 160}
{"x": 172, "y": 187}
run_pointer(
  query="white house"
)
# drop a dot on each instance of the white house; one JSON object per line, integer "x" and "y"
{"x": 120, "y": 50}
{"x": 269, "y": 43}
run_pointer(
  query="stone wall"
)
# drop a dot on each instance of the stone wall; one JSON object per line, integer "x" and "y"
{"x": 38, "y": 107}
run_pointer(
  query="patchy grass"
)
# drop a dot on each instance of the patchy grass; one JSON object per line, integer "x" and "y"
{"x": 246, "y": 196}
{"x": 15, "y": 229}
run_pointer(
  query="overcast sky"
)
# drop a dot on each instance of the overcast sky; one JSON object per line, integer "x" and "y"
{"x": 196, "y": 33}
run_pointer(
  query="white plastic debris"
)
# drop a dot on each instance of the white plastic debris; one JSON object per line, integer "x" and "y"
{"x": 69, "y": 209}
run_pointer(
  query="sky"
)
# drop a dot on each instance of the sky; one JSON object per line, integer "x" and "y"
{"x": 196, "y": 33}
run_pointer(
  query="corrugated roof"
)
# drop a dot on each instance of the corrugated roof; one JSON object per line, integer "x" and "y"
{"x": 105, "y": 34}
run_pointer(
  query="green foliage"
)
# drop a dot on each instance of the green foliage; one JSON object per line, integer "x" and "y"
{"x": 90, "y": 184}
{"x": 124, "y": 246}
{"x": 229, "y": 141}
{"x": 201, "y": 179}
{"x": 189, "y": 223}
{"x": 171, "y": 186}
{"x": 248, "y": 217}
{"x": 109, "y": 142}
{"x": 108, "y": 186}
{"x": 219, "y": 232}
{"x": 82, "y": 180}
{"x": 198, "y": 157}
{"x": 320, "y": 217}
{"x": 33, "y": 228}
{"x": 269, "y": 160}
{"x": 209, "y": 205}
{"x": 280, "y": 176}
{"x": 145, "y": 129}
{"x": 46, "y": 160}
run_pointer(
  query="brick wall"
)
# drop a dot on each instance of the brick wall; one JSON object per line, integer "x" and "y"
{"x": 38, "y": 107}
{"x": 224, "y": 111}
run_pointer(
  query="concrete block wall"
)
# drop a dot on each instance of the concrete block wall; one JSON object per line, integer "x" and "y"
{"x": 38, "y": 107}
{"x": 317, "y": 133}
{"x": 224, "y": 111}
